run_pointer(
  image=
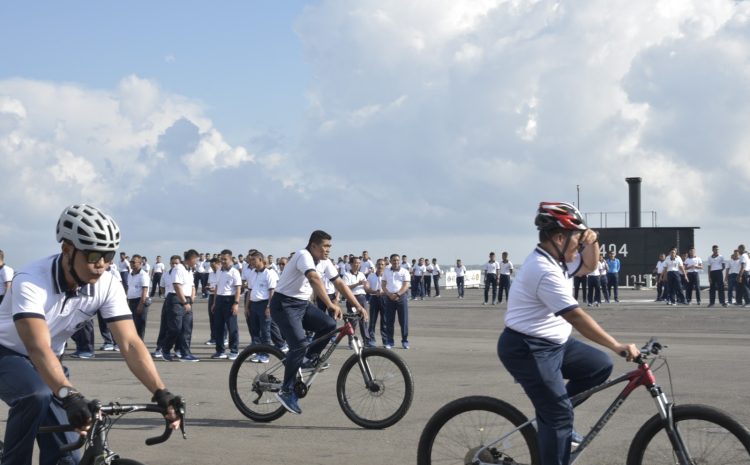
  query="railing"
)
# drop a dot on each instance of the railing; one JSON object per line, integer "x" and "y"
{"x": 615, "y": 219}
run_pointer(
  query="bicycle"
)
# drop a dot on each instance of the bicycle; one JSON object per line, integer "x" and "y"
{"x": 95, "y": 443}
{"x": 480, "y": 430}
{"x": 377, "y": 400}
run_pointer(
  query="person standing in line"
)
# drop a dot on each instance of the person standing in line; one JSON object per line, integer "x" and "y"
{"x": 367, "y": 266}
{"x": 579, "y": 282}
{"x": 716, "y": 265}
{"x": 673, "y": 271}
{"x": 137, "y": 294}
{"x": 427, "y": 277}
{"x": 436, "y": 272}
{"x": 491, "y": 269}
{"x": 271, "y": 263}
{"x": 6, "y": 276}
{"x": 124, "y": 269}
{"x": 292, "y": 310}
{"x": 404, "y": 263}
{"x": 693, "y": 265}
{"x": 260, "y": 288}
{"x": 733, "y": 269}
{"x": 395, "y": 285}
{"x": 341, "y": 265}
{"x": 419, "y": 270}
{"x": 374, "y": 288}
{"x": 505, "y": 271}
{"x": 594, "y": 284}
{"x": 460, "y": 276}
{"x": 613, "y": 275}
{"x": 211, "y": 280}
{"x": 743, "y": 294}
{"x": 356, "y": 280}
{"x": 180, "y": 310}
{"x": 197, "y": 281}
{"x": 158, "y": 270}
{"x": 166, "y": 288}
{"x": 146, "y": 266}
{"x": 603, "y": 270}
{"x": 226, "y": 306}
{"x": 661, "y": 285}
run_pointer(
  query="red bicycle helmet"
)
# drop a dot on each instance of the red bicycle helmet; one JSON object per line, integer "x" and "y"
{"x": 559, "y": 215}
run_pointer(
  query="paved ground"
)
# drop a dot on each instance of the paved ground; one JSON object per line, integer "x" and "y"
{"x": 452, "y": 355}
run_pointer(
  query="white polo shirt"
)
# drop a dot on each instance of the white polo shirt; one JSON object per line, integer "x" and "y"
{"x": 261, "y": 283}
{"x": 418, "y": 270}
{"x": 39, "y": 291}
{"x": 406, "y": 266}
{"x": 366, "y": 266}
{"x": 603, "y": 267}
{"x": 159, "y": 267}
{"x": 394, "y": 280}
{"x": 491, "y": 267}
{"x": 6, "y": 275}
{"x": 136, "y": 283}
{"x": 213, "y": 278}
{"x": 227, "y": 281}
{"x": 351, "y": 278}
{"x": 375, "y": 282}
{"x": 692, "y": 263}
{"x": 745, "y": 260}
{"x": 716, "y": 263}
{"x": 436, "y": 270}
{"x": 293, "y": 281}
{"x": 183, "y": 277}
{"x": 660, "y": 266}
{"x": 327, "y": 271}
{"x": 460, "y": 271}
{"x": 733, "y": 266}
{"x": 167, "y": 279}
{"x": 506, "y": 268}
{"x": 673, "y": 265}
{"x": 540, "y": 295}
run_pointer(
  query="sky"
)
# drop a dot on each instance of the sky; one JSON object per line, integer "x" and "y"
{"x": 427, "y": 128}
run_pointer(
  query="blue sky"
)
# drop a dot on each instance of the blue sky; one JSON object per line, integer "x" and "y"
{"x": 429, "y": 127}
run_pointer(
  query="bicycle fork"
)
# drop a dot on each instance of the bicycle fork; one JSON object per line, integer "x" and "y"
{"x": 364, "y": 367}
{"x": 665, "y": 412}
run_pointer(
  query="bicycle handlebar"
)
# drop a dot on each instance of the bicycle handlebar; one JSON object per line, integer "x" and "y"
{"x": 115, "y": 408}
{"x": 351, "y": 316}
{"x": 652, "y": 347}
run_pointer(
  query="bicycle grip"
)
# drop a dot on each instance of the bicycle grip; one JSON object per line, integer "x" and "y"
{"x": 159, "y": 439}
{"x": 73, "y": 445}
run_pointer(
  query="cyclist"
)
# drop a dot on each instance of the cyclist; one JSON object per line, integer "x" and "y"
{"x": 536, "y": 346}
{"x": 48, "y": 300}
{"x": 293, "y": 312}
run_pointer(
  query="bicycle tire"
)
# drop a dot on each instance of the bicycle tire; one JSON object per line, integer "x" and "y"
{"x": 461, "y": 429}
{"x": 386, "y": 403}
{"x": 244, "y": 388}
{"x": 711, "y": 436}
{"x": 122, "y": 461}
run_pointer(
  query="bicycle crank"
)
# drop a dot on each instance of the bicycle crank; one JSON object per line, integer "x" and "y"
{"x": 300, "y": 389}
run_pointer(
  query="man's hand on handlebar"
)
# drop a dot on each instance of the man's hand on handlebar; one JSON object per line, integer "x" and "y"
{"x": 365, "y": 316}
{"x": 173, "y": 404}
{"x": 629, "y": 351}
{"x": 79, "y": 414}
{"x": 335, "y": 311}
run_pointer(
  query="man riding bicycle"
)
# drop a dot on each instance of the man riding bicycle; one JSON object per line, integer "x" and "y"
{"x": 536, "y": 347}
{"x": 48, "y": 301}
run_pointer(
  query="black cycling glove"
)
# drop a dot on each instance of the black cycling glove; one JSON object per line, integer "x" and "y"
{"x": 78, "y": 410}
{"x": 166, "y": 399}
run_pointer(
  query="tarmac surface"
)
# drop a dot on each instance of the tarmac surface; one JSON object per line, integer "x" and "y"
{"x": 453, "y": 354}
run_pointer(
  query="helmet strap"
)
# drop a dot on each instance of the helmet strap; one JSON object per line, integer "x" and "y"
{"x": 560, "y": 253}
{"x": 72, "y": 270}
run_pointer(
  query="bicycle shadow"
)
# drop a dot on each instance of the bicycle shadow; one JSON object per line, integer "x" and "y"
{"x": 144, "y": 423}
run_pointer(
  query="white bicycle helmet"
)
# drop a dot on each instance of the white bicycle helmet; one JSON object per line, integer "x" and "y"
{"x": 88, "y": 228}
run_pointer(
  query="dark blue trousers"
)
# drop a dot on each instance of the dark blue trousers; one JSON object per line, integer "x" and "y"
{"x": 541, "y": 367}
{"x": 294, "y": 316}
{"x": 716, "y": 281}
{"x": 179, "y": 326}
{"x": 397, "y": 309}
{"x": 225, "y": 321}
{"x": 674, "y": 287}
{"x": 460, "y": 285}
{"x": 377, "y": 309}
{"x": 139, "y": 319}
{"x": 490, "y": 280}
{"x": 613, "y": 285}
{"x": 504, "y": 287}
{"x": 731, "y": 286}
{"x": 84, "y": 337}
{"x": 595, "y": 290}
{"x": 694, "y": 283}
{"x": 258, "y": 323}
{"x": 31, "y": 406}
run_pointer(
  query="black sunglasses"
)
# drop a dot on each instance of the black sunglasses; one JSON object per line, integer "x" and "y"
{"x": 93, "y": 256}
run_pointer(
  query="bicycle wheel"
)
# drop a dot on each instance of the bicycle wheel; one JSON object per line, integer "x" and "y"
{"x": 710, "y": 435}
{"x": 386, "y": 400}
{"x": 253, "y": 385}
{"x": 477, "y": 430}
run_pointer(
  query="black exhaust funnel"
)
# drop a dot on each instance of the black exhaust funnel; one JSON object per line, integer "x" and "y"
{"x": 634, "y": 194}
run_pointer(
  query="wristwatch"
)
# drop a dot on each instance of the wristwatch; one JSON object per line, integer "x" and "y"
{"x": 65, "y": 391}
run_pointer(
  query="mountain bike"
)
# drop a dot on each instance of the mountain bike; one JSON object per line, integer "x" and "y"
{"x": 97, "y": 451}
{"x": 480, "y": 430}
{"x": 376, "y": 399}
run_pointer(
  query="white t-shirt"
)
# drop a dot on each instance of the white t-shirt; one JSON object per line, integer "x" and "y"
{"x": 146, "y": 267}
{"x": 167, "y": 279}
{"x": 293, "y": 281}
{"x": 436, "y": 270}
{"x": 159, "y": 267}
{"x": 227, "y": 281}
{"x": 261, "y": 283}
{"x": 660, "y": 266}
{"x": 351, "y": 278}
{"x": 406, "y": 266}
{"x": 745, "y": 260}
{"x": 419, "y": 270}
{"x": 124, "y": 266}
{"x": 374, "y": 281}
{"x": 603, "y": 268}
{"x": 540, "y": 295}
{"x": 733, "y": 266}
{"x": 366, "y": 266}
{"x": 136, "y": 283}
{"x": 6, "y": 275}
{"x": 183, "y": 277}
{"x": 692, "y": 263}
{"x": 460, "y": 271}
{"x": 213, "y": 279}
{"x": 506, "y": 268}
{"x": 716, "y": 263}
{"x": 491, "y": 267}
{"x": 39, "y": 291}
{"x": 673, "y": 265}
{"x": 394, "y": 280}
